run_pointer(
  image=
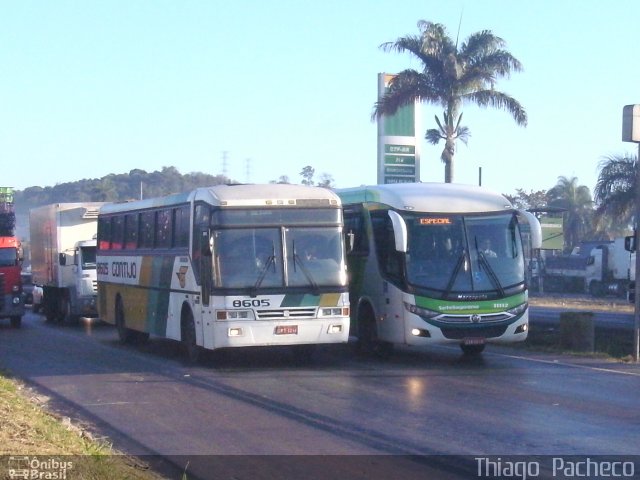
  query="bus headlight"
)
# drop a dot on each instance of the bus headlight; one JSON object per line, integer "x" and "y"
{"x": 334, "y": 329}
{"x": 234, "y": 315}
{"x": 334, "y": 312}
{"x": 515, "y": 311}
{"x": 421, "y": 312}
{"x": 235, "y": 332}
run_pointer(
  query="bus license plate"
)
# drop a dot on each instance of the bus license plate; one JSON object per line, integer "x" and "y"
{"x": 474, "y": 341}
{"x": 286, "y": 330}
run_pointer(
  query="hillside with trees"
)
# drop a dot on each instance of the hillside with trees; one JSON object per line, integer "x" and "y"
{"x": 116, "y": 188}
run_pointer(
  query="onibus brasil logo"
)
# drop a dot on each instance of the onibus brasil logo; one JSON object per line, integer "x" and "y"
{"x": 33, "y": 467}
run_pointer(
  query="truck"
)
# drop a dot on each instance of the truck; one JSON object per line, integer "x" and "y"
{"x": 610, "y": 268}
{"x": 11, "y": 257}
{"x": 63, "y": 258}
{"x": 598, "y": 268}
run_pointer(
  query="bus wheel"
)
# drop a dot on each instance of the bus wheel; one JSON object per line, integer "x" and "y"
{"x": 472, "y": 350}
{"x": 189, "y": 340}
{"x": 16, "y": 321}
{"x": 124, "y": 334}
{"x": 368, "y": 342}
{"x": 303, "y": 353}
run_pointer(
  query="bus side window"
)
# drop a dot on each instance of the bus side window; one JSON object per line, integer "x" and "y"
{"x": 355, "y": 234}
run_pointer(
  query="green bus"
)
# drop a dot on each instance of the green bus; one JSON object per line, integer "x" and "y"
{"x": 436, "y": 263}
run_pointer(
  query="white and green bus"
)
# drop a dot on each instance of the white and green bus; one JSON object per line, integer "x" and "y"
{"x": 435, "y": 263}
{"x": 226, "y": 266}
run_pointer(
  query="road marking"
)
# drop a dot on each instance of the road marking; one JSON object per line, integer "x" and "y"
{"x": 566, "y": 364}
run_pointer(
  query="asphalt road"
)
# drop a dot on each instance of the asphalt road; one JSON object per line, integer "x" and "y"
{"x": 250, "y": 413}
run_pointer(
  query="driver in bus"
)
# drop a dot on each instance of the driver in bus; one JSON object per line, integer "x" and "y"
{"x": 485, "y": 248}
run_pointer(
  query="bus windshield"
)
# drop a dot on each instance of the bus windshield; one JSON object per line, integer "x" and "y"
{"x": 464, "y": 254}
{"x": 275, "y": 257}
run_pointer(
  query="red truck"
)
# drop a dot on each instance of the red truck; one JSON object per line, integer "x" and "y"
{"x": 12, "y": 299}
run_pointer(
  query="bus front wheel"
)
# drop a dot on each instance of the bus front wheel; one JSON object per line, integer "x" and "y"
{"x": 189, "y": 339}
{"x": 368, "y": 341}
{"x": 472, "y": 350}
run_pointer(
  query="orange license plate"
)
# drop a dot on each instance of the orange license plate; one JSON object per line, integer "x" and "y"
{"x": 286, "y": 330}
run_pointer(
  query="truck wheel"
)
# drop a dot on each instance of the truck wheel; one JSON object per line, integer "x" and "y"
{"x": 16, "y": 321}
{"x": 67, "y": 315}
{"x": 596, "y": 289}
{"x": 189, "y": 340}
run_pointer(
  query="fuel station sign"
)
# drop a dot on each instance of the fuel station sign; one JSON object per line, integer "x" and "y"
{"x": 398, "y": 148}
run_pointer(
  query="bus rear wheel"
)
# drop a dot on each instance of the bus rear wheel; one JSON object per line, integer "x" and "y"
{"x": 126, "y": 335}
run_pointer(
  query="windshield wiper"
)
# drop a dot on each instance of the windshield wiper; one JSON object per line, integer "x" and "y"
{"x": 482, "y": 260}
{"x": 298, "y": 261}
{"x": 461, "y": 260}
{"x": 271, "y": 260}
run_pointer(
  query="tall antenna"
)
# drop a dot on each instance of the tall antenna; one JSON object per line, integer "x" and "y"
{"x": 459, "y": 26}
{"x": 248, "y": 170}
{"x": 225, "y": 158}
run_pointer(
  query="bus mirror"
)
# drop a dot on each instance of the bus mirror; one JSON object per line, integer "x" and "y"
{"x": 206, "y": 243}
{"x": 630, "y": 243}
{"x": 528, "y": 221}
{"x": 399, "y": 231}
{"x": 351, "y": 241}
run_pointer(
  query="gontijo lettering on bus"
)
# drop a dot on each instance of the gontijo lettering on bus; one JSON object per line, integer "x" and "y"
{"x": 124, "y": 269}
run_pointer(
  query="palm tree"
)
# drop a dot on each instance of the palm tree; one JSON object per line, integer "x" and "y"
{"x": 576, "y": 199}
{"x": 450, "y": 77}
{"x": 615, "y": 191}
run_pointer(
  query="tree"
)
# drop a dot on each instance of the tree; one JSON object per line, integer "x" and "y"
{"x": 576, "y": 199}
{"x": 326, "y": 180}
{"x": 615, "y": 192}
{"x": 307, "y": 175}
{"x": 529, "y": 200}
{"x": 282, "y": 179}
{"x": 450, "y": 77}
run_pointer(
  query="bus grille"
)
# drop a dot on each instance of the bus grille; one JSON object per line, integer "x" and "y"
{"x": 286, "y": 313}
{"x": 485, "y": 318}
{"x": 470, "y": 332}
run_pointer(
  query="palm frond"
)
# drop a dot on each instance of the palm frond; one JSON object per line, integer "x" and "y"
{"x": 433, "y": 136}
{"x": 501, "y": 101}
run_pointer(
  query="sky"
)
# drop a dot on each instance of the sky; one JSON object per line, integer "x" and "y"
{"x": 259, "y": 89}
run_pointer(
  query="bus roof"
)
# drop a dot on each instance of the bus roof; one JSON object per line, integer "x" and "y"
{"x": 428, "y": 197}
{"x": 249, "y": 195}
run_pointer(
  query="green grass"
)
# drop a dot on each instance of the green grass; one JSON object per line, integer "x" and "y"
{"x": 27, "y": 430}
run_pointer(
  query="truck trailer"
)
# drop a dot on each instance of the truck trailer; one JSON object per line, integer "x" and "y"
{"x": 63, "y": 258}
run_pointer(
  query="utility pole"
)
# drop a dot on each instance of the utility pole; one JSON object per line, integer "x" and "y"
{"x": 631, "y": 133}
